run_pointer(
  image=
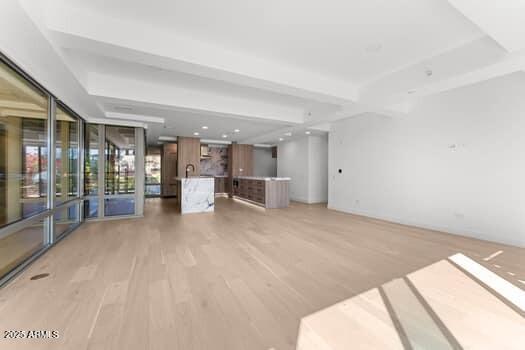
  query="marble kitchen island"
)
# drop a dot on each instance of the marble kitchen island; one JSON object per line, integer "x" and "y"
{"x": 196, "y": 194}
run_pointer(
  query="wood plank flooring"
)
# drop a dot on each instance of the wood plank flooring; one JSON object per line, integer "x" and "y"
{"x": 240, "y": 278}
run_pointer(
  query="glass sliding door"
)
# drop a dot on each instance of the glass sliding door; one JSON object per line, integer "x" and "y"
{"x": 113, "y": 180}
{"x": 120, "y": 171}
{"x": 23, "y": 168}
{"x": 66, "y": 156}
{"x": 67, "y": 152}
{"x": 91, "y": 170}
{"x": 152, "y": 169}
{"x": 66, "y": 218}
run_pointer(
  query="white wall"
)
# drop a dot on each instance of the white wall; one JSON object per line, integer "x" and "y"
{"x": 263, "y": 163}
{"x": 456, "y": 163}
{"x": 318, "y": 169}
{"x": 292, "y": 161}
{"x": 305, "y": 161}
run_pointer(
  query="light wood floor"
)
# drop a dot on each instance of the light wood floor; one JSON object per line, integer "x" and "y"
{"x": 239, "y": 278}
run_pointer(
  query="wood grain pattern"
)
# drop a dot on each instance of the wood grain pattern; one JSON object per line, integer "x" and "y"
{"x": 277, "y": 194}
{"x": 188, "y": 152}
{"x": 240, "y": 160}
{"x": 240, "y": 163}
{"x": 169, "y": 169}
{"x": 465, "y": 308}
{"x": 221, "y": 185}
{"x": 239, "y": 278}
{"x": 269, "y": 194}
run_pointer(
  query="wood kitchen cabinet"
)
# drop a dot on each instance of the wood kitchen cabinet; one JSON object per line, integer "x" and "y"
{"x": 169, "y": 170}
{"x": 189, "y": 152}
{"x": 267, "y": 193}
{"x": 221, "y": 185}
{"x": 240, "y": 162}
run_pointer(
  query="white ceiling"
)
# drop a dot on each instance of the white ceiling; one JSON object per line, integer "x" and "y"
{"x": 274, "y": 66}
{"x": 329, "y": 37}
{"x": 179, "y": 122}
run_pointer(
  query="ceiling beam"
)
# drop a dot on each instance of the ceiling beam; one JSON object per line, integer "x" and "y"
{"x": 170, "y": 97}
{"x": 136, "y": 117}
{"x": 130, "y": 123}
{"x": 511, "y": 64}
{"x": 312, "y": 121}
{"x": 146, "y": 44}
{"x": 502, "y": 20}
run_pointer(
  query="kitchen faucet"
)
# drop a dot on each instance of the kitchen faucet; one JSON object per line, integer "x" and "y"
{"x": 187, "y": 167}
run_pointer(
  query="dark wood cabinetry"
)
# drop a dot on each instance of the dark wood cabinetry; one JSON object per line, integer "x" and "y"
{"x": 169, "y": 170}
{"x": 222, "y": 185}
{"x": 253, "y": 190}
{"x": 189, "y": 152}
{"x": 240, "y": 162}
{"x": 267, "y": 193}
{"x": 175, "y": 157}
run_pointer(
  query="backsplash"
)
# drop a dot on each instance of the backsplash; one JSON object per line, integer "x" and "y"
{"x": 217, "y": 163}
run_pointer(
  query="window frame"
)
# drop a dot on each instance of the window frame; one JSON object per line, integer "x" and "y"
{"x": 52, "y": 208}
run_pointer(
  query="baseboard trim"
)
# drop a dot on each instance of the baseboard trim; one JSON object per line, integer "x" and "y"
{"x": 443, "y": 229}
{"x": 305, "y": 201}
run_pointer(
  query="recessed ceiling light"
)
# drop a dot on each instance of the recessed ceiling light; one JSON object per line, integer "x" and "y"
{"x": 205, "y": 127}
{"x": 224, "y": 136}
{"x": 288, "y": 134}
{"x": 280, "y": 139}
{"x": 307, "y": 132}
{"x": 237, "y": 130}
{"x": 196, "y": 133}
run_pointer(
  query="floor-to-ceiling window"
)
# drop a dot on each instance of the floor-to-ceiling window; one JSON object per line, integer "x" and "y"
{"x": 23, "y": 168}
{"x": 67, "y": 153}
{"x": 66, "y": 156}
{"x": 44, "y": 149}
{"x": 35, "y": 132}
{"x": 152, "y": 169}
{"x": 91, "y": 170}
{"x": 114, "y": 184}
{"x": 120, "y": 171}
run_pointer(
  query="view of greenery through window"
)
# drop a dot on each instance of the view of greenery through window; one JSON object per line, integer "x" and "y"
{"x": 35, "y": 159}
{"x": 91, "y": 159}
{"x": 119, "y": 170}
{"x": 152, "y": 171}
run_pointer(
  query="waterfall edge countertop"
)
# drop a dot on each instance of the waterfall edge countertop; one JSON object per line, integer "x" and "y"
{"x": 264, "y": 178}
{"x": 196, "y": 194}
